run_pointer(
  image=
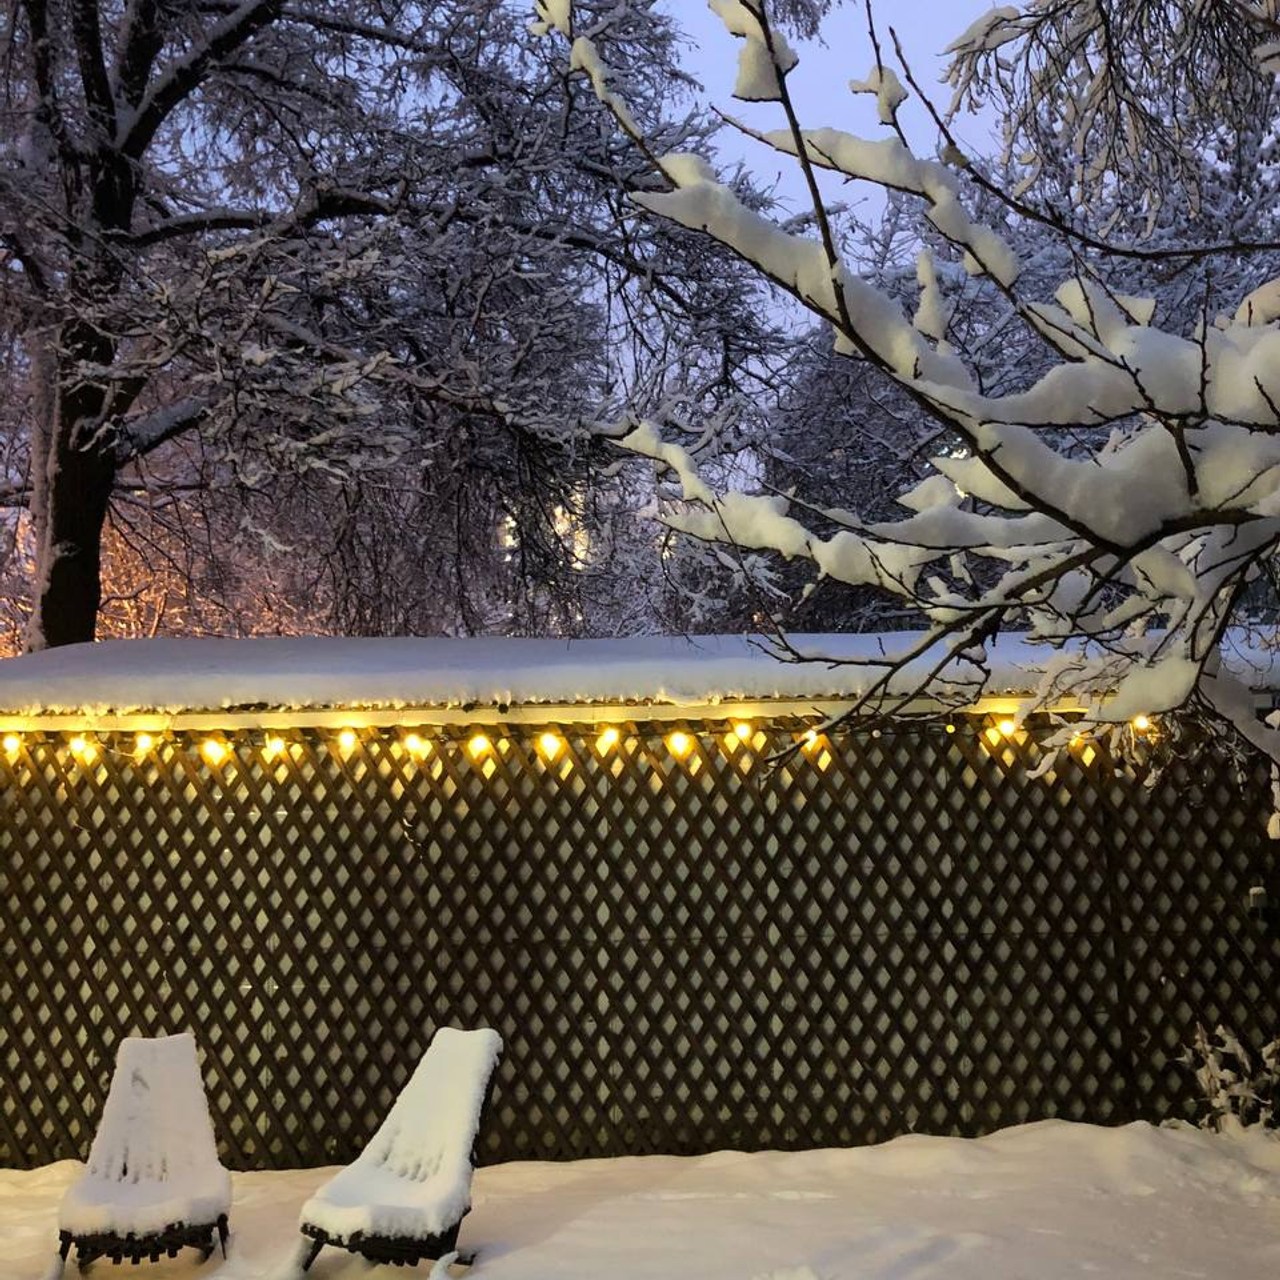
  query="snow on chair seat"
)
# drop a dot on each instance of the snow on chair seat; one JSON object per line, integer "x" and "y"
{"x": 153, "y": 1183}
{"x": 404, "y": 1197}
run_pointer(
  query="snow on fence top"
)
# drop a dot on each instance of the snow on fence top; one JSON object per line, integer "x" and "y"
{"x": 176, "y": 676}
{"x": 317, "y": 672}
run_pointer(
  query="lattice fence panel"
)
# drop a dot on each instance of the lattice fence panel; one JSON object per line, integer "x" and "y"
{"x": 684, "y": 946}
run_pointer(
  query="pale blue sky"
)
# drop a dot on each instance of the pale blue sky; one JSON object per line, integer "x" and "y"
{"x": 820, "y": 83}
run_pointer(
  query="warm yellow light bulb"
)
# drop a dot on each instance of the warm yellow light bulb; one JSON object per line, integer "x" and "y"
{"x": 951, "y": 728}
{"x": 347, "y": 739}
{"x": 273, "y": 748}
{"x": 680, "y": 744}
{"x": 478, "y": 745}
{"x": 83, "y": 748}
{"x": 1008, "y": 727}
{"x": 608, "y": 739}
{"x": 143, "y": 743}
{"x": 811, "y": 737}
{"x": 742, "y": 730}
{"x": 1141, "y": 724}
{"x": 550, "y": 744}
{"x": 12, "y": 744}
{"x": 416, "y": 744}
{"x": 213, "y": 750}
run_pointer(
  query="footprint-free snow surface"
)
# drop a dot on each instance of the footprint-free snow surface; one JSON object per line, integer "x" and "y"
{"x": 1040, "y": 1202}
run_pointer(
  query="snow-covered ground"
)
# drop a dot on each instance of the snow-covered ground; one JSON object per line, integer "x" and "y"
{"x": 1038, "y": 1202}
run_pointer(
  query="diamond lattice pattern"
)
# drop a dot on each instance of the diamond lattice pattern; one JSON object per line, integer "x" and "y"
{"x": 683, "y": 951}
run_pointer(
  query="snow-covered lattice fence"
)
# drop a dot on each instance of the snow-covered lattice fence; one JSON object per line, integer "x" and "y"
{"x": 683, "y": 947}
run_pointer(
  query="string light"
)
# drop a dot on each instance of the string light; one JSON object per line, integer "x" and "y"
{"x": 551, "y": 745}
{"x": 12, "y": 744}
{"x": 1141, "y": 724}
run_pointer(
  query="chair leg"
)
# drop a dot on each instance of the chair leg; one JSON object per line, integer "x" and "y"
{"x": 311, "y": 1251}
{"x": 224, "y": 1231}
{"x": 57, "y": 1268}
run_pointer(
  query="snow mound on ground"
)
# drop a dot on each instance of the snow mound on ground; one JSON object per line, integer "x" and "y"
{"x": 1140, "y": 1159}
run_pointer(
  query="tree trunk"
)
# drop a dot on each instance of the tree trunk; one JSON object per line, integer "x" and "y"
{"x": 74, "y": 460}
{"x": 66, "y": 608}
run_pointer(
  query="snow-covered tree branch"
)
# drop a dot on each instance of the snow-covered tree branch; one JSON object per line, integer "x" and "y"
{"x": 1117, "y": 497}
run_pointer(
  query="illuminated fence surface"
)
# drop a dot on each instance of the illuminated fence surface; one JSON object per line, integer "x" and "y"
{"x": 684, "y": 946}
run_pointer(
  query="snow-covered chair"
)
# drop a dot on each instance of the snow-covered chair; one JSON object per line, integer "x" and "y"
{"x": 153, "y": 1184}
{"x": 404, "y": 1197}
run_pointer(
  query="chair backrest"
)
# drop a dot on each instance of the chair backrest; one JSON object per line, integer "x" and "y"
{"x": 432, "y": 1126}
{"x": 155, "y": 1126}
